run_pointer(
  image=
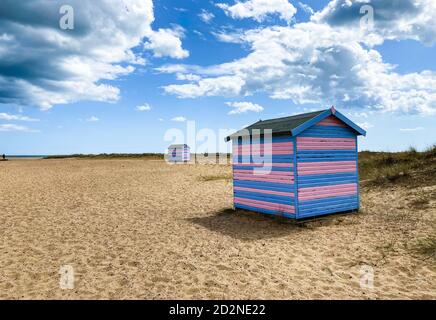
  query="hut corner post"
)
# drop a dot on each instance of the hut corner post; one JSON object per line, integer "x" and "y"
{"x": 294, "y": 141}
{"x": 233, "y": 168}
{"x": 357, "y": 175}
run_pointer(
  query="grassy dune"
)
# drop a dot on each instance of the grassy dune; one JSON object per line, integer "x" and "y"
{"x": 410, "y": 167}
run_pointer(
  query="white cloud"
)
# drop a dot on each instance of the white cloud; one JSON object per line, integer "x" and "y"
{"x": 187, "y": 77}
{"x": 230, "y": 37}
{"x": 206, "y": 16}
{"x": 160, "y": 119}
{"x": 306, "y": 8}
{"x": 14, "y": 127}
{"x": 411, "y": 129}
{"x": 259, "y": 9}
{"x": 43, "y": 65}
{"x": 92, "y": 119}
{"x": 361, "y": 114}
{"x": 7, "y": 116}
{"x": 402, "y": 19}
{"x": 365, "y": 125}
{"x": 144, "y": 107}
{"x": 313, "y": 63}
{"x": 179, "y": 119}
{"x": 243, "y": 107}
{"x": 166, "y": 42}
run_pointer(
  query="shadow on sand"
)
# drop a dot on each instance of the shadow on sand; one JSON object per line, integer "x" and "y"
{"x": 250, "y": 226}
{"x": 246, "y": 225}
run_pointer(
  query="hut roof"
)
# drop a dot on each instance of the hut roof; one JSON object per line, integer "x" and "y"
{"x": 178, "y": 146}
{"x": 296, "y": 124}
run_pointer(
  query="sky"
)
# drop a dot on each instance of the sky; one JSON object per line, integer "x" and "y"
{"x": 124, "y": 76}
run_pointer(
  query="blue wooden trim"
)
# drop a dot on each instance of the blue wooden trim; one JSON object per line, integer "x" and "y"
{"x": 295, "y": 164}
{"x": 324, "y": 115}
{"x": 325, "y": 211}
{"x": 286, "y": 187}
{"x": 357, "y": 176}
{"x": 273, "y": 198}
{"x": 261, "y": 210}
{"x": 350, "y": 123}
{"x": 310, "y": 122}
{"x": 233, "y": 170}
{"x": 266, "y": 168}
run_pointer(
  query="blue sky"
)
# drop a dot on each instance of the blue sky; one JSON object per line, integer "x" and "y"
{"x": 78, "y": 91}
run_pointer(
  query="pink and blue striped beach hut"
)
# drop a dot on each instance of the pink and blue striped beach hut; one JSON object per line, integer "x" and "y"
{"x": 298, "y": 167}
{"x": 178, "y": 153}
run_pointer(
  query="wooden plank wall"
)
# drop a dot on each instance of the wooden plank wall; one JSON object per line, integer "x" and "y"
{"x": 264, "y": 184}
{"x": 327, "y": 169}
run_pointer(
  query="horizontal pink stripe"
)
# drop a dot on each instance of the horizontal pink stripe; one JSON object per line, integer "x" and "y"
{"x": 325, "y": 163}
{"x": 309, "y": 143}
{"x": 274, "y": 152}
{"x": 332, "y": 140}
{"x": 264, "y": 173}
{"x": 306, "y": 147}
{"x": 322, "y": 196}
{"x": 247, "y": 148}
{"x": 282, "y": 179}
{"x": 331, "y": 121}
{"x": 327, "y": 191}
{"x": 348, "y": 166}
{"x": 327, "y": 169}
{"x": 320, "y": 171}
{"x": 269, "y": 145}
{"x": 266, "y": 164}
{"x": 288, "y": 180}
{"x": 328, "y": 188}
{"x": 327, "y": 144}
{"x": 265, "y": 205}
{"x": 279, "y": 193}
{"x": 239, "y": 150}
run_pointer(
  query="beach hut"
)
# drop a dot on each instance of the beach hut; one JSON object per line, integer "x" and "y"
{"x": 178, "y": 153}
{"x": 299, "y": 166}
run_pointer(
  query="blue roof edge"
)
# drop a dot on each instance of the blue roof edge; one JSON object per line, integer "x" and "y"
{"x": 324, "y": 115}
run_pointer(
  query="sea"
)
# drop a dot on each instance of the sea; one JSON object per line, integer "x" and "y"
{"x": 24, "y": 156}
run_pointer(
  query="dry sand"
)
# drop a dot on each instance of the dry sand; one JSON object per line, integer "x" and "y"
{"x": 138, "y": 229}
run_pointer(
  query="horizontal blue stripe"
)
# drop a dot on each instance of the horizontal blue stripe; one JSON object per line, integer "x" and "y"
{"x": 261, "y": 210}
{"x": 328, "y": 179}
{"x": 266, "y": 168}
{"x": 333, "y": 207}
{"x": 328, "y": 131}
{"x": 330, "y": 210}
{"x": 264, "y": 197}
{"x": 286, "y": 187}
{"x": 325, "y": 183}
{"x": 327, "y": 176}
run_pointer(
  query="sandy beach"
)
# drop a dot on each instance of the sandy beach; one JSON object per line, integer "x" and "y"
{"x": 142, "y": 229}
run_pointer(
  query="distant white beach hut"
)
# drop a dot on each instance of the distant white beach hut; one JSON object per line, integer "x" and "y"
{"x": 178, "y": 153}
